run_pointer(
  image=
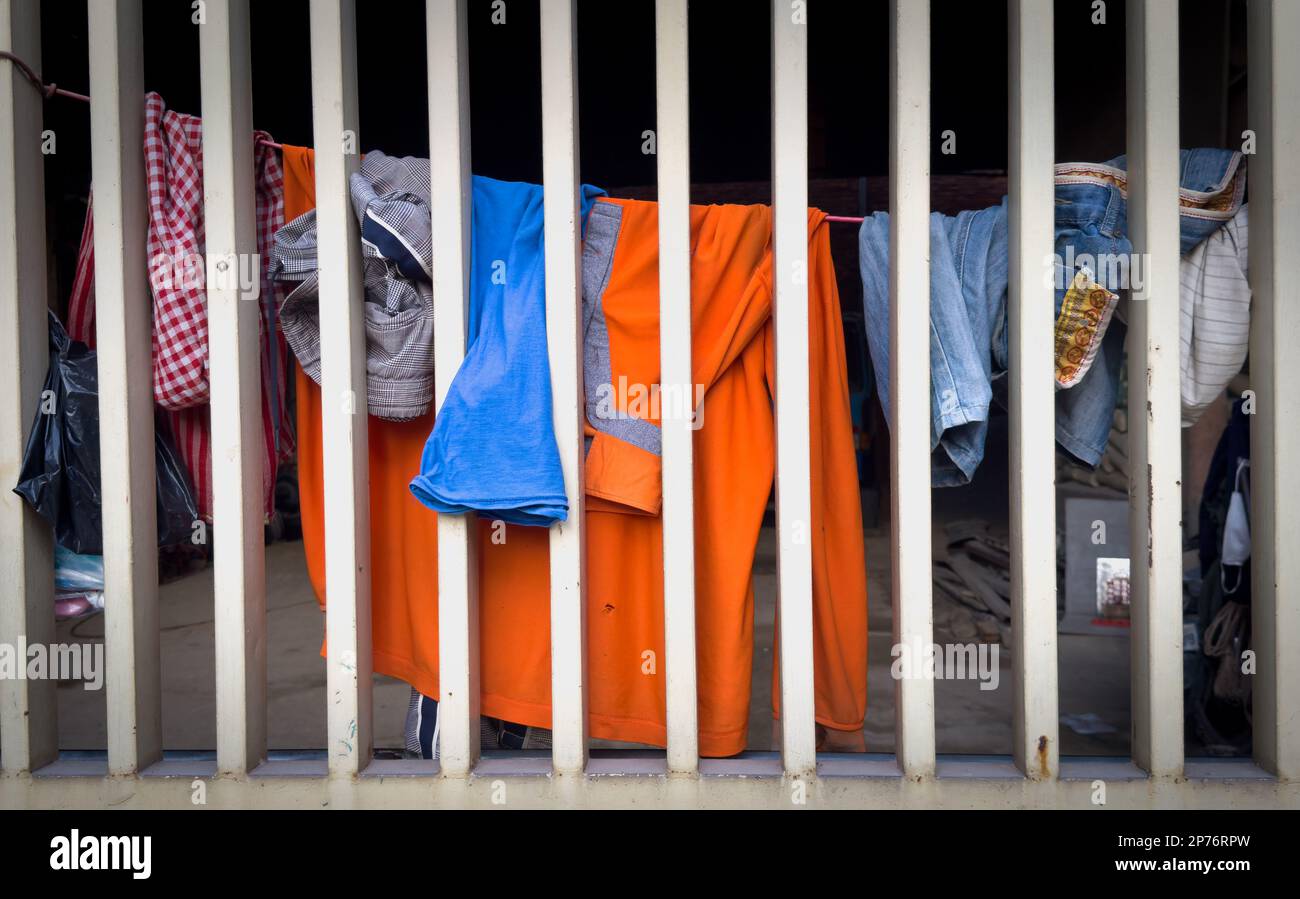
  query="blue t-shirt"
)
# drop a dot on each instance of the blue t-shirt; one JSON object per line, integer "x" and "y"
{"x": 493, "y": 447}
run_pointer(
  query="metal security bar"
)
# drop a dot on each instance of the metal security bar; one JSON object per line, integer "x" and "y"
{"x": 673, "y": 129}
{"x": 343, "y": 390}
{"x": 234, "y": 320}
{"x": 458, "y": 634}
{"x": 790, "y": 321}
{"x": 1155, "y": 492}
{"x": 1036, "y": 746}
{"x": 33, "y": 775}
{"x": 909, "y": 374}
{"x": 124, "y": 340}
{"x": 561, "y": 229}
{"x": 28, "y": 740}
{"x": 1273, "y": 32}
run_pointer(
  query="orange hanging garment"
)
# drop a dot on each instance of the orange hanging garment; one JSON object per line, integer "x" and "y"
{"x": 735, "y": 449}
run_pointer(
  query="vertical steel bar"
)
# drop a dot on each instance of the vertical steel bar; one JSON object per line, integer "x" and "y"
{"x": 28, "y": 737}
{"x": 123, "y": 318}
{"x": 909, "y": 374}
{"x": 343, "y": 389}
{"x": 449, "y": 157}
{"x": 672, "y": 132}
{"x": 234, "y": 323}
{"x": 1155, "y": 491}
{"x": 790, "y": 318}
{"x": 1033, "y": 456}
{"x": 559, "y": 37}
{"x": 1274, "y": 116}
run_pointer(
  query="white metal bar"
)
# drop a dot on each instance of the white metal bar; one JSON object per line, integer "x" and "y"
{"x": 672, "y": 126}
{"x": 564, "y": 346}
{"x": 28, "y": 737}
{"x": 449, "y": 155}
{"x": 343, "y": 389}
{"x": 1274, "y": 115}
{"x": 790, "y": 318}
{"x": 1155, "y": 491}
{"x": 1033, "y": 456}
{"x": 234, "y": 321}
{"x": 123, "y": 320}
{"x": 909, "y": 373}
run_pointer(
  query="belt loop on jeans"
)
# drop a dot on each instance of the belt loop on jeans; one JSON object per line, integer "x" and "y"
{"x": 1115, "y": 207}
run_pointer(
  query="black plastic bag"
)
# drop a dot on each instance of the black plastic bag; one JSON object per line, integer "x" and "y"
{"x": 60, "y": 474}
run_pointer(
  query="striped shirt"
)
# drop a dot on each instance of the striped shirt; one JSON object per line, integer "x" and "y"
{"x": 1214, "y": 301}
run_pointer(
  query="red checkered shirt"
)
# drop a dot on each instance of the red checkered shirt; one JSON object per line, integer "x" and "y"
{"x": 174, "y": 169}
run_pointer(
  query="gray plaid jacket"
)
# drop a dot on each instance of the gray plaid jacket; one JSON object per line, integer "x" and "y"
{"x": 391, "y": 199}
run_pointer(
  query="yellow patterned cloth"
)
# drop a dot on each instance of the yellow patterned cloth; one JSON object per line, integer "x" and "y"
{"x": 1085, "y": 313}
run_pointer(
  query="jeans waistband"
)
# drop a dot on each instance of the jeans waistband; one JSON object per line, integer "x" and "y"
{"x": 1218, "y": 202}
{"x": 1081, "y": 204}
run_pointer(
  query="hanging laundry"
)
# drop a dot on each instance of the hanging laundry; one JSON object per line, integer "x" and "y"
{"x": 177, "y": 278}
{"x": 1217, "y": 694}
{"x": 1215, "y": 315}
{"x": 735, "y": 456}
{"x": 1094, "y": 261}
{"x": 1217, "y": 529}
{"x": 968, "y": 285}
{"x": 173, "y": 167}
{"x": 398, "y": 292}
{"x": 493, "y": 446}
{"x": 734, "y": 363}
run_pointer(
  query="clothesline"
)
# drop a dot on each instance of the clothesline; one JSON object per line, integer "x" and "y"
{"x": 52, "y": 90}
{"x": 49, "y": 90}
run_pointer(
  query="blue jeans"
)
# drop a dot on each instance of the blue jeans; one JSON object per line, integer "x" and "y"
{"x": 968, "y": 294}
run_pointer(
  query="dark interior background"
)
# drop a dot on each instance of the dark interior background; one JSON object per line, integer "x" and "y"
{"x": 730, "y": 87}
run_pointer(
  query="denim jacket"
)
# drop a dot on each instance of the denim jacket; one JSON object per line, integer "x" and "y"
{"x": 968, "y": 299}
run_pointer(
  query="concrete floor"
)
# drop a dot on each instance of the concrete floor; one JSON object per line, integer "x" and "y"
{"x": 296, "y": 671}
{"x": 1094, "y": 673}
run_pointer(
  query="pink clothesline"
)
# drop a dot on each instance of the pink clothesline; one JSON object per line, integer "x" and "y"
{"x": 51, "y": 90}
